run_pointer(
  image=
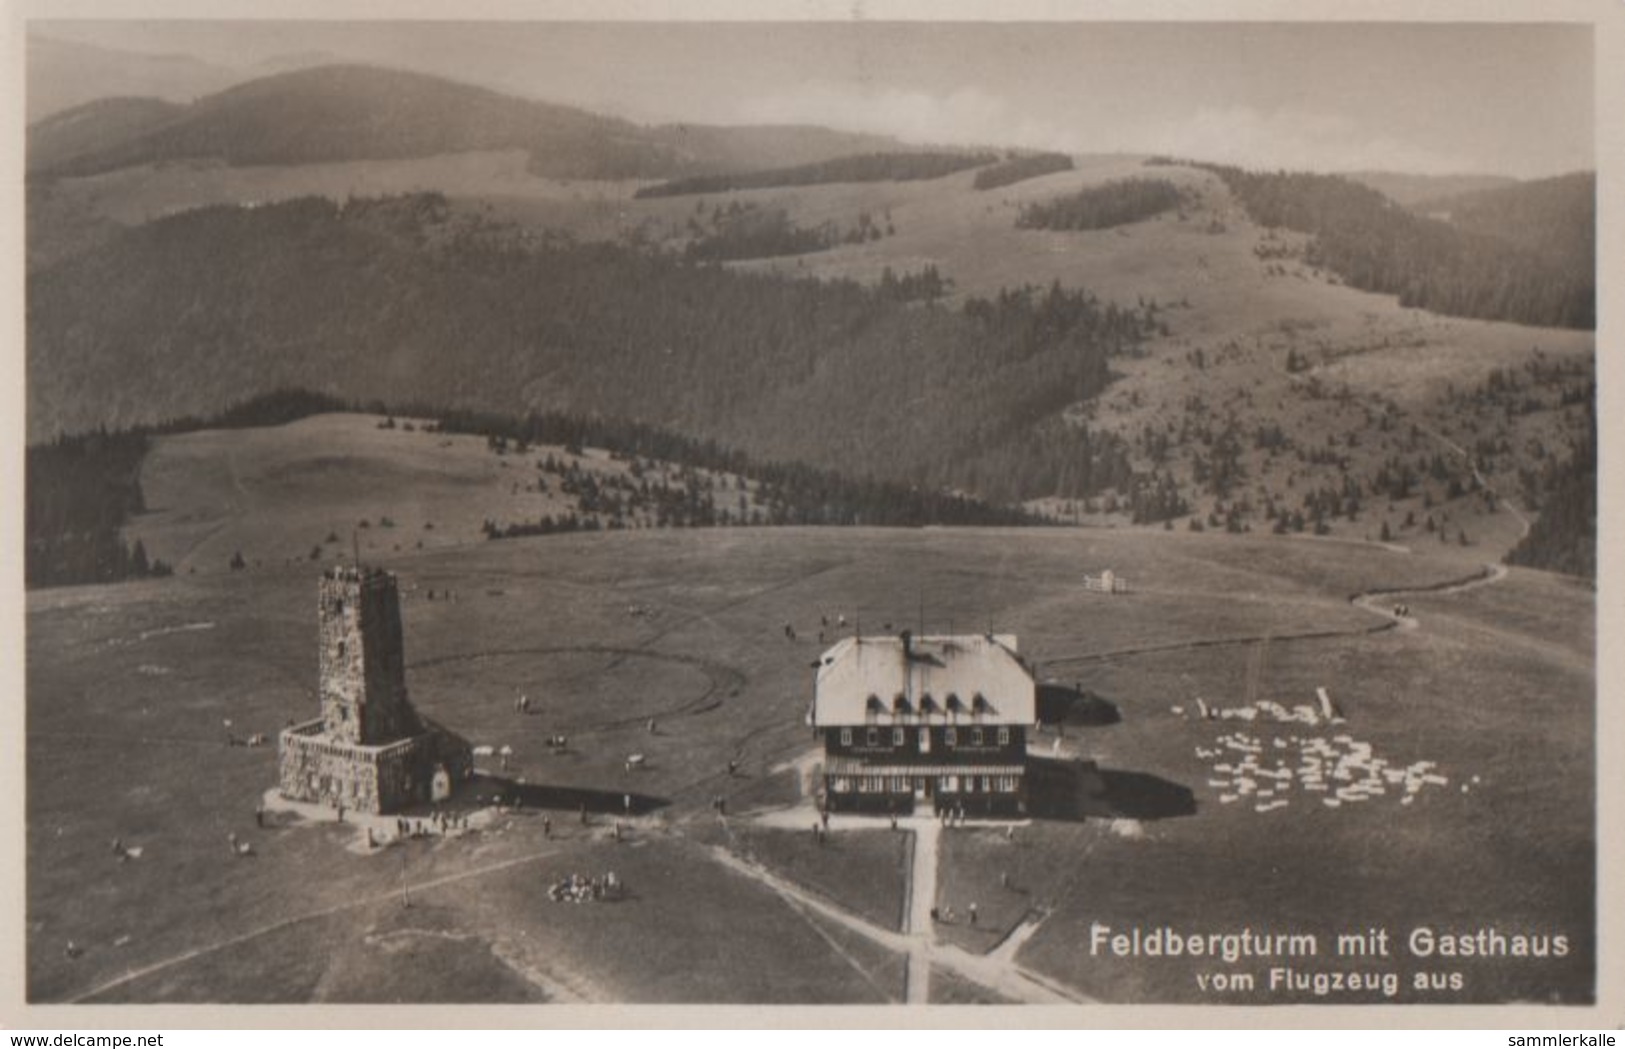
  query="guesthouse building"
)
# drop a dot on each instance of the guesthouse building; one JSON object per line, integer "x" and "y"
{"x": 909, "y": 720}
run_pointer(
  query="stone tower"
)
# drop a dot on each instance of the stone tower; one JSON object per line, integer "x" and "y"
{"x": 370, "y": 751}
{"x": 363, "y": 671}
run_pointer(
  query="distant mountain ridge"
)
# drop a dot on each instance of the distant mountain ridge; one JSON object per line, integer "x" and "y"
{"x": 1556, "y": 217}
{"x": 60, "y": 138}
{"x": 63, "y": 74}
{"x": 357, "y": 112}
{"x": 1407, "y": 189}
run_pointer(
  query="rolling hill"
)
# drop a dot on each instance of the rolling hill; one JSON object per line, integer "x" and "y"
{"x": 63, "y": 74}
{"x": 1556, "y": 217}
{"x": 1240, "y": 380}
{"x": 89, "y": 128}
{"x": 352, "y": 112}
{"x": 402, "y": 301}
{"x": 1408, "y": 189}
{"x": 359, "y": 112}
{"x": 1451, "y": 268}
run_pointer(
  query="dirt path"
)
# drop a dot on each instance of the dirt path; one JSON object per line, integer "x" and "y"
{"x": 1000, "y": 975}
{"x": 922, "y": 896}
{"x": 1377, "y": 602}
{"x": 1380, "y": 602}
{"x": 265, "y": 930}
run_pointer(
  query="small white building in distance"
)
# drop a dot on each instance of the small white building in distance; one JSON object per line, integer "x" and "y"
{"x": 909, "y": 719}
{"x": 1107, "y": 582}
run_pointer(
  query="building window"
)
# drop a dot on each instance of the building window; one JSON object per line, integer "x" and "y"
{"x": 925, "y": 740}
{"x": 950, "y": 737}
{"x": 1004, "y": 736}
{"x": 896, "y": 737}
{"x": 846, "y": 737}
{"x": 872, "y": 737}
{"x": 976, "y": 737}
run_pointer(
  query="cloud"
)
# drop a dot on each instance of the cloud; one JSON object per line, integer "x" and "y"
{"x": 965, "y": 116}
{"x": 1289, "y": 139}
{"x": 1229, "y": 134}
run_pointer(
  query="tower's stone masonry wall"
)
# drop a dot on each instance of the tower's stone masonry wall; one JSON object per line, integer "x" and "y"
{"x": 370, "y": 750}
{"x": 316, "y": 768}
{"x": 362, "y": 662}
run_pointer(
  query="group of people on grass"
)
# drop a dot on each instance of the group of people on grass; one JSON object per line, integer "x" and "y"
{"x": 946, "y": 916}
{"x": 576, "y": 888}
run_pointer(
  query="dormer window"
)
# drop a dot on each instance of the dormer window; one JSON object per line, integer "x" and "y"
{"x": 873, "y": 708}
{"x": 900, "y": 706}
{"x": 955, "y": 707}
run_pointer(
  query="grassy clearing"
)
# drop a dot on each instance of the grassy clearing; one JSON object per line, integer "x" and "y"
{"x": 1514, "y": 853}
{"x": 948, "y": 989}
{"x": 330, "y": 483}
{"x": 863, "y": 871}
{"x": 690, "y": 931}
{"x": 1009, "y": 878}
{"x": 161, "y": 664}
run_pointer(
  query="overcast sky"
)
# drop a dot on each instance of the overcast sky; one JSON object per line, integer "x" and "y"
{"x": 1447, "y": 98}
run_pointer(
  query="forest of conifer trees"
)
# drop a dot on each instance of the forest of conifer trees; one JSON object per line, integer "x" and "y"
{"x": 865, "y": 167}
{"x": 1376, "y": 245}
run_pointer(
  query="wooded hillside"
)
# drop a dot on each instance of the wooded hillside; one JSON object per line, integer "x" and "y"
{"x": 1376, "y": 245}
{"x": 400, "y": 303}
